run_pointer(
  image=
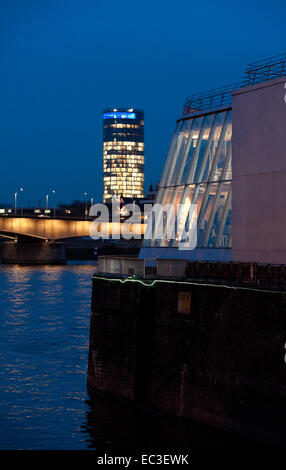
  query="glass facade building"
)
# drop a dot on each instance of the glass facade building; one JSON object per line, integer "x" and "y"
{"x": 123, "y": 153}
{"x": 198, "y": 171}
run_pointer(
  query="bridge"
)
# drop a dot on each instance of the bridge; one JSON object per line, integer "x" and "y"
{"x": 43, "y": 228}
{"x": 53, "y": 229}
{"x": 41, "y": 240}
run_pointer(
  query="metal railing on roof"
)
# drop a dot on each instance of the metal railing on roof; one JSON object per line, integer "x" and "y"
{"x": 265, "y": 69}
{"x": 210, "y": 99}
{"x": 256, "y": 72}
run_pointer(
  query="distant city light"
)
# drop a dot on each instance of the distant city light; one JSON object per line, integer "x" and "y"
{"x": 118, "y": 115}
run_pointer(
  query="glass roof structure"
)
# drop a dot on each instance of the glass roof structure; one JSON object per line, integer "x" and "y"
{"x": 198, "y": 168}
{"x": 198, "y": 171}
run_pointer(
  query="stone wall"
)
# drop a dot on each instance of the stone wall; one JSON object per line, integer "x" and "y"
{"x": 33, "y": 253}
{"x": 221, "y": 362}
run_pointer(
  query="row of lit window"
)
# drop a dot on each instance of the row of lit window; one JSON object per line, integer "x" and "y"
{"x": 132, "y": 166}
{"x": 127, "y": 194}
{"x": 135, "y": 186}
{"x": 139, "y": 159}
{"x": 118, "y": 144}
{"x": 125, "y": 172}
{"x": 130, "y": 163}
{"x": 122, "y": 168}
{"x": 107, "y": 154}
{"x": 122, "y": 126}
{"x": 123, "y": 190}
{"x": 128, "y": 135}
{"x": 123, "y": 142}
{"x": 129, "y": 168}
{"x": 113, "y": 190}
{"x": 123, "y": 161}
{"x": 126, "y": 163}
{"x": 124, "y": 185}
{"x": 124, "y": 153}
{"x": 127, "y": 158}
{"x": 124, "y": 150}
{"x": 130, "y": 187}
{"x": 115, "y": 184}
{"x": 126, "y": 179}
{"x": 119, "y": 178}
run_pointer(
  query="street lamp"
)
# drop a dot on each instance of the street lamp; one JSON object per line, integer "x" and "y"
{"x": 16, "y": 194}
{"x": 47, "y": 202}
{"x": 21, "y": 189}
{"x": 85, "y": 205}
{"x": 54, "y": 193}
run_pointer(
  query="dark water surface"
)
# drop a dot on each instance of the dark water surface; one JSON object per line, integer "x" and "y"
{"x": 44, "y": 403}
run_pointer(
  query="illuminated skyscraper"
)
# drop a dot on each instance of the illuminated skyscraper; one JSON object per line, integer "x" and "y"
{"x": 123, "y": 153}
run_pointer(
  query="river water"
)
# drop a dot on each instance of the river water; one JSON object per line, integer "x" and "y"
{"x": 44, "y": 403}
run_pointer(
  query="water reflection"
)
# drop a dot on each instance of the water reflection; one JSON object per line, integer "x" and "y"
{"x": 44, "y": 332}
{"x": 44, "y": 404}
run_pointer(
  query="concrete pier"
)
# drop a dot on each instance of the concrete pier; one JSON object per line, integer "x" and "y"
{"x": 39, "y": 252}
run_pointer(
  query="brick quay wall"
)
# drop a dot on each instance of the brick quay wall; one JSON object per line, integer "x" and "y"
{"x": 211, "y": 353}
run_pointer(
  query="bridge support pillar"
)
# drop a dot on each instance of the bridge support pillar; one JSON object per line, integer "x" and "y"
{"x": 33, "y": 253}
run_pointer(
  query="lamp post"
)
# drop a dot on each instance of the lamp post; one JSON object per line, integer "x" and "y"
{"x": 16, "y": 194}
{"x": 47, "y": 203}
{"x": 54, "y": 193}
{"x": 85, "y": 205}
{"x": 21, "y": 190}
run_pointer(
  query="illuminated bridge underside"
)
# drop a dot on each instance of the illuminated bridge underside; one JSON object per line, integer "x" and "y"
{"x": 45, "y": 229}
{"x": 57, "y": 229}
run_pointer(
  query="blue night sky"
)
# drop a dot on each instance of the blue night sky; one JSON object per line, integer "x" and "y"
{"x": 63, "y": 61}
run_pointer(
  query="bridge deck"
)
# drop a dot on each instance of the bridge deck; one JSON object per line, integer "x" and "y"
{"x": 44, "y": 228}
{"x": 59, "y": 228}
